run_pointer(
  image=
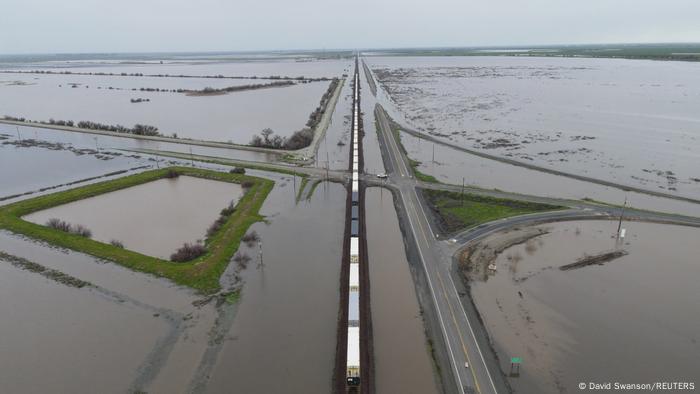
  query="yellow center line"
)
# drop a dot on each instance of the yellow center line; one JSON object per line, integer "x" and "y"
{"x": 459, "y": 332}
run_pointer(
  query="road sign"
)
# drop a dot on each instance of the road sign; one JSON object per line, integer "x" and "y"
{"x": 516, "y": 360}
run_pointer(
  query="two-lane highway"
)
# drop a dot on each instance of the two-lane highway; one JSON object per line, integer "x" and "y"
{"x": 468, "y": 365}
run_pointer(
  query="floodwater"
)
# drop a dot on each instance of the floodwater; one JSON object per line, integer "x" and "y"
{"x": 336, "y": 144}
{"x": 284, "y": 336}
{"x": 94, "y": 141}
{"x": 402, "y": 361}
{"x": 154, "y": 218}
{"x": 289, "y": 67}
{"x": 634, "y": 319}
{"x": 62, "y": 339}
{"x": 452, "y": 166}
{"x": 24, "y": 169}
{"x": 372, "y": 154}
{"x": 233, "y": 117}
{"x": 633, "y": 122}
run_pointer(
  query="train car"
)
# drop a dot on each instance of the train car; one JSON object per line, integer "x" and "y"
{"x": 354, "y": 279}
{"x": 354, "y": 250}
{"x": 354, "y": 228}
{"x": 353, "y": 359}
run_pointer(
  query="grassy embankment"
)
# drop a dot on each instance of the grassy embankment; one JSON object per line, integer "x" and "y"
{"x": 457, "y": 212}
{"x": 201, "y": 273}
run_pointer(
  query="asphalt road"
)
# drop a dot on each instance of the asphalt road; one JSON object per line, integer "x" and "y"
{"x": 469, "y": 367}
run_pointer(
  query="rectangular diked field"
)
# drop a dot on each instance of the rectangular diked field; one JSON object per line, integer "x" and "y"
{"x": 154, "y": 218}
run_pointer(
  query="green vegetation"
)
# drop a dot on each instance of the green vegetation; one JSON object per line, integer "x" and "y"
{"x": 201, "y": 273}
{"x": 233, "y": 297}
{"x": 456, "y": 212}
{"x": 304, "y": 181}
{"x": 418, "y": 174}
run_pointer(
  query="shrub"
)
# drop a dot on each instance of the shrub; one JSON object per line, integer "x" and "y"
{"x": 242, "y": 259}
{"x": 59, "y": 224}
{"x": 172, "y": 174}
{"x": 247, "y": 184}
{"x": 216, "y": 226}
{"x": 117, "y": 243}
{"x": 230, "y": 209}
{"x": 188, "y": 251}
{"x": 81, "y": 230}
{"x": 237, "y": 170}
{"x": 251, "y": 237}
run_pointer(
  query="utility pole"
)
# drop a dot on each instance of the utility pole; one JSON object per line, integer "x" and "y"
{"x": 19, "y": 137}
{"x": 619, "y": 223}
{"x": 97, "y": 146}
{"x": 462, "y": 197}
{"x": 261, "y": 253}
{"x": 191, "y": 157}
{"x": 433, "y": 153}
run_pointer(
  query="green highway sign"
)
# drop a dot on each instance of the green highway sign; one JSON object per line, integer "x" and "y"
{"x": 516, "y": 360}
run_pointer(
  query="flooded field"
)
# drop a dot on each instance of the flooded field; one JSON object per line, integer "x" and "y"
{"x": 154, "y": 218}
{"x": 283, "y": 337}
{"x": 335, "y": 146}
{"x": 453, "y": 166}
{"x": 402, "y": 361}
{"x": 31, "y": 167}
{"x": 630, "y": 121}
{"x": 57, "y": 338}
{"x": 233, "y": 117}
{"x": 633, "y": 320}
{"x": 126, "y": 143}
{"x": 232, "y": 67}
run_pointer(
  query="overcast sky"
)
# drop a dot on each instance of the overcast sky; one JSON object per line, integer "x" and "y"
{"x": 40, "y": 26}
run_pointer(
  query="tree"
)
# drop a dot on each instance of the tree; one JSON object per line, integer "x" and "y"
{"x": 266, "y": 133}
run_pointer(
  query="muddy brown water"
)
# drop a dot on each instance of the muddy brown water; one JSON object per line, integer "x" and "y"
{"x": 628, "y": 121}
{"x": 154, "y": 218}
{"x": 24, "y": 169}
{"x": 634, "y": 319}
{"x": 402, "y": 360}
{"x": 284, "y": 336}
{"x": 56, "y": 338}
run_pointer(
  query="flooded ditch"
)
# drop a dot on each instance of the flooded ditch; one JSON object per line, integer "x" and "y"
{"x": 402, "y": 360}
{"x": 283, "y": 337}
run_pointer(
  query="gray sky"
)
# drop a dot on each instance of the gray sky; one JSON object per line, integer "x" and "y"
{"x": 31, "y": 26}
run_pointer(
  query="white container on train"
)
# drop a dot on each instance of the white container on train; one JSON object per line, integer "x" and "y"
{"x": 354, "y": 250}
{"x": 353, "y": 357}
{"x": 354, "y": 277}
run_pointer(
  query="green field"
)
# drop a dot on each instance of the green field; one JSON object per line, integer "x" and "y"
{"x": 457, "y": 213}
{"x": 201, "y": 273}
